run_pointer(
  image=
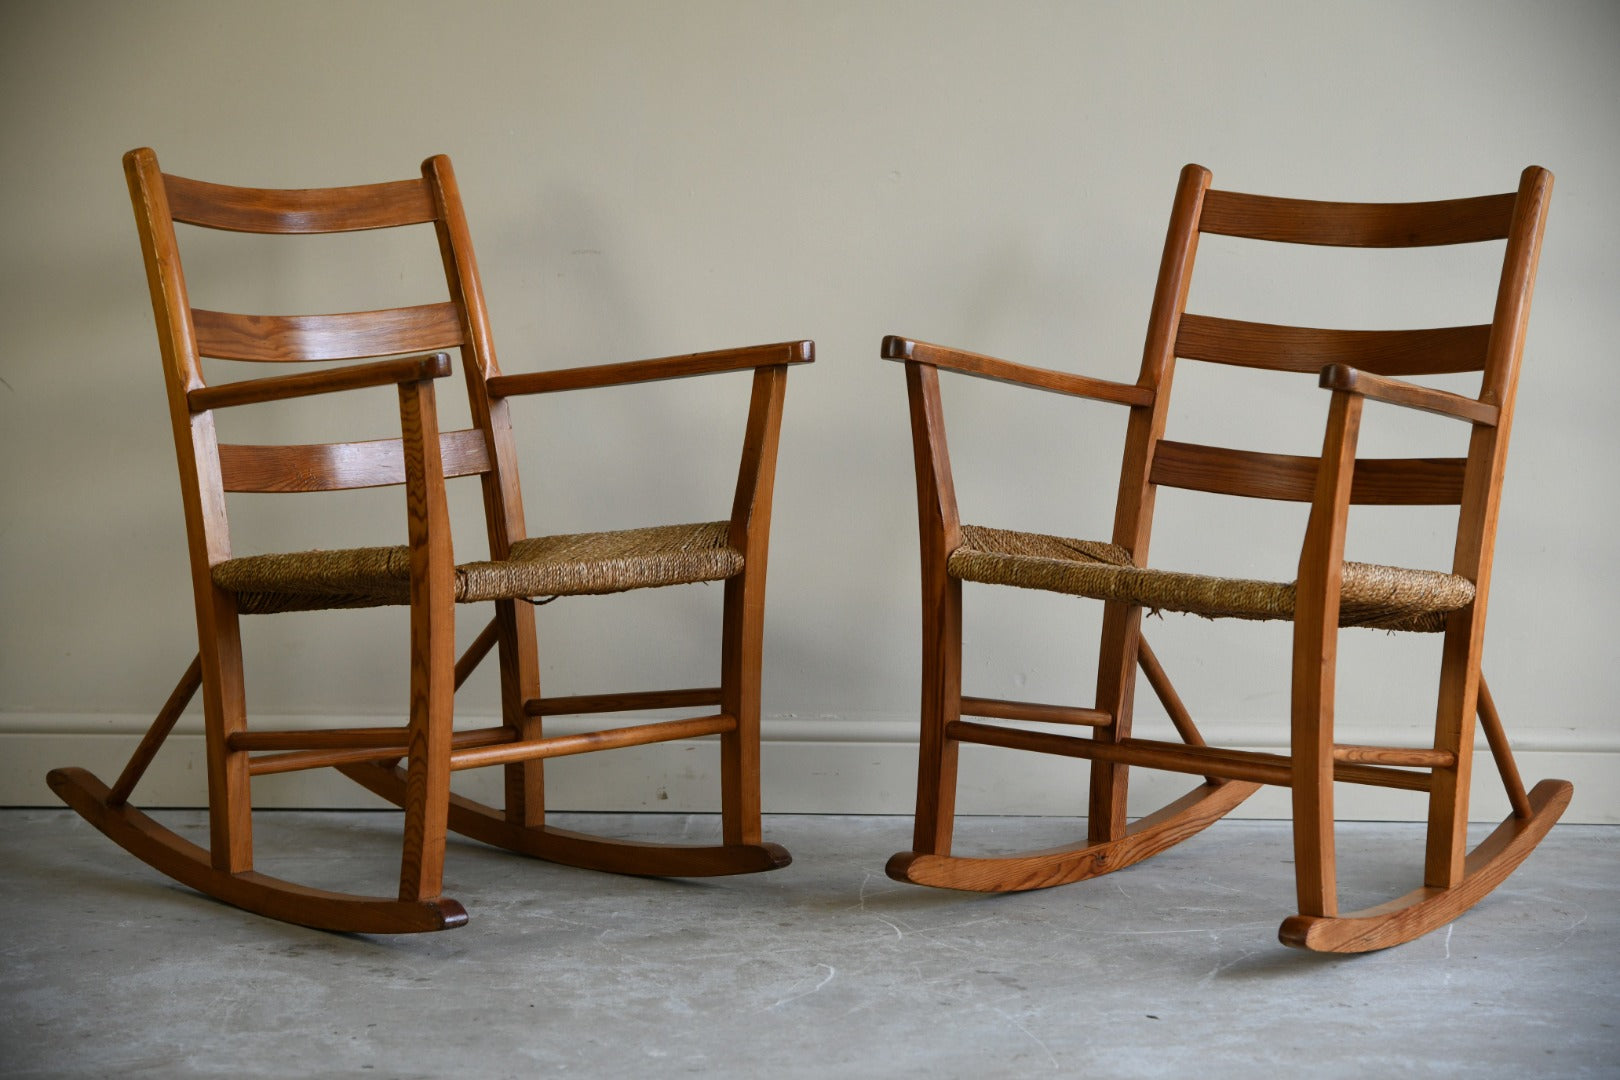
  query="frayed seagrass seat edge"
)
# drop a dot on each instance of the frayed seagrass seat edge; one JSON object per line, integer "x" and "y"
{"x": 1372, "y": 595}
{"x": 563, "y": 565}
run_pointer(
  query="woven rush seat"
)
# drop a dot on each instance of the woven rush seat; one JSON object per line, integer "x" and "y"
{"x": 563, "y": 565}
{"x": 1386, "y": 597}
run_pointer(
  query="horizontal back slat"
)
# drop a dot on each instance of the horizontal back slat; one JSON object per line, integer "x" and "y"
{"x": 1380, "y": 481}
{"x": 336, "y": 466}
{"x": 304, "y": 210}
{"x": 1304, "y": 221}
{"x": 426, "y": 328}
{"x": 1443, "y": 350}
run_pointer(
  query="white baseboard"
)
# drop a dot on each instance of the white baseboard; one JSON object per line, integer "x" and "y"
{"x": 821, "y": 765}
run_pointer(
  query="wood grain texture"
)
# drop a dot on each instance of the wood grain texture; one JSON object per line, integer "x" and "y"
{"x": 1474, "y": 554}
{"x": 1395, "y": 392}
{"x": 1133, "y": 506}
{"x": 1356, "y": 365}
{"x": 590, "y": 741}
{"x": 157, "y": 734}
{"x": 298, "y": 210}
{"x": 1496, "y": 737}
{"x": 1002, "y": 709}
{"x": 331, "y": 381}
{"x": 742, "y": 621}
{"x": 1212, "y": 762}
{"x": 1307, "y": 221}
{"x": 667, "y": 367}
{"x": 350, "y": 336}
{"x": 989, "y": 367}
{"x": 1315, "y": 661}
{"x": 1182, "y": 819}
{"x": 1394, "y": 755}
{"x": 208, "y": 538}
{"x": 341, "y": 466}
{"x": 1165, "y": 691}
{"x": 519, "y": 660}
{"x": 490, "y": 826}
{"x": 185, "y": 862}
{"x": 1377, "y": 481}
{"x": 1443, "y": 350}
{"x": 433, "y": 646}
{"x": 939, "y": 531}
{"x": 1429, "y": 908}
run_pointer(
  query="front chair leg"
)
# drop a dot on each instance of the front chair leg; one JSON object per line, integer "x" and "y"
{"x": 741, "y": 652}
{"x": 941, "y": 706}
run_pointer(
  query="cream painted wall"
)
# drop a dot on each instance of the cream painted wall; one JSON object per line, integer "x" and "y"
{"x": 649, "y": 178}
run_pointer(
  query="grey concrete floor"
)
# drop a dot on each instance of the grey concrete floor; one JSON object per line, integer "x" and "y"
{"x": 825, "y": 968}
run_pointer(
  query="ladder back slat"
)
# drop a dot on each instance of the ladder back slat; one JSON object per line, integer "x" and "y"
{"x": 425, "y": 328}
{"x": 337, "y": 466}
{"x": 303, "y": 210}
{"x": 1377, "y": 481}
{"x": 1438, "y": 351}
{"x": 1306, "y": 221}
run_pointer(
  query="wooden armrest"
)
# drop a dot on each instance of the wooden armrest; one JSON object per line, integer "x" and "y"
{"x": 667, "y": 367}
{"x": 278, "y": 387}
{"x": 1397, "y": 392}
{"x": 988, "y": 367}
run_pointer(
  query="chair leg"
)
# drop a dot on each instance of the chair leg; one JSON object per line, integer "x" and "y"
{"x": 230, "y": 808}
{"x": 1315, "y": 656}
{"x": 741, "y": 652}
{"x": 433, "y": 649}
{"x": 108, "y": 809}
{"x": 525, "y": 782}
{"x": 1454, "y": 731}
{"x": 1116, "y": 695}
{"x": 941, "y": 707}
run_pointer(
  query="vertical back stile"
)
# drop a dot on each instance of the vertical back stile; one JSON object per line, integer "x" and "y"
{"x": 1133, "y": 512}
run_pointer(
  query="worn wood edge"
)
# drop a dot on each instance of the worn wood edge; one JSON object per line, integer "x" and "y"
{"x": 1169, "y": 826}
{"x": 995, "y": 369}
{"x": 687, "y": 365}
{"x": 486, "y": 824}
{"x": 1409, "y": 395}
{"x": 351, "y": 335}
{"x": 185, "y": 862}
{"x": 1427, "y": 908}
{"x": 1471, "y": 219}
{"x": 332, "y": 380}
{"x": 284, "y": 211}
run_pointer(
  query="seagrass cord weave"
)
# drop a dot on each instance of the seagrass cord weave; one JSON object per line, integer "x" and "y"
{"x": 1383, "y": 597}
{"x": 565, "y": 565}
{"x": 1358, "y": 368}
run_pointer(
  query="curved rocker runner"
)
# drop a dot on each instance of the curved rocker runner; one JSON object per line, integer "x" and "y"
{"x": 1329, "y": 592}
{"x": 411, "y": 764}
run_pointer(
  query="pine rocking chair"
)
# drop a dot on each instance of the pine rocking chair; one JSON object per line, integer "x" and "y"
{"x": 411, "y": 765}
{"x": 1355, "y": 366}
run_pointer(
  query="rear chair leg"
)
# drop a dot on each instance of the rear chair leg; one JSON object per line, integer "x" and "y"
{"x": 1454, "y": 731}
{"x": 525, "y": 794}
{"x": 1116, "y": 695}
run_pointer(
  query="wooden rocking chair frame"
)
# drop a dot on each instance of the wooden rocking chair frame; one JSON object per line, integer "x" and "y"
{"x": 412, "y": 765}
{"x": 1356, "y": 366}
